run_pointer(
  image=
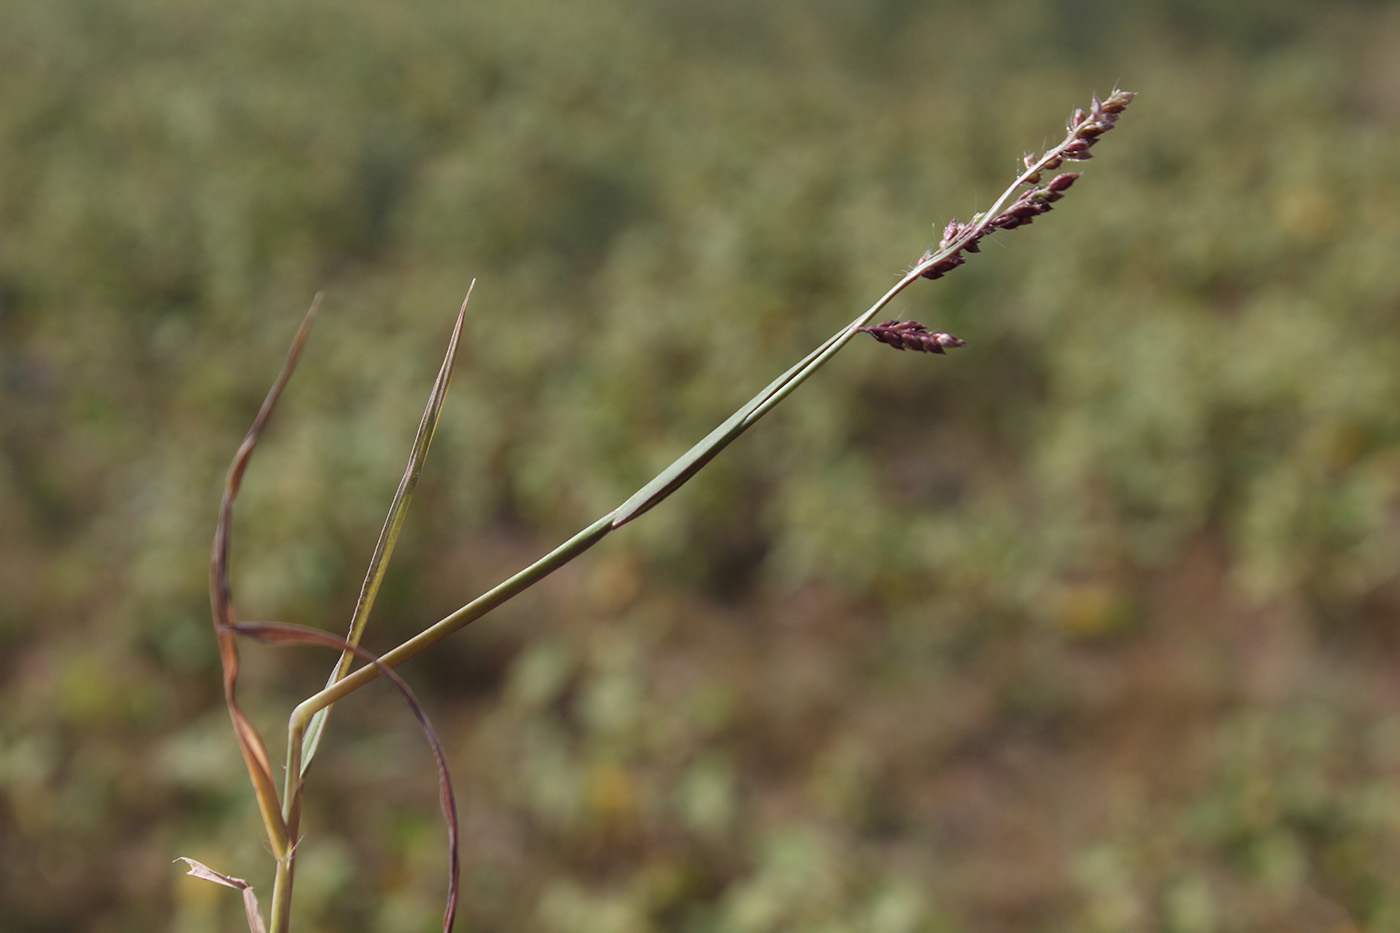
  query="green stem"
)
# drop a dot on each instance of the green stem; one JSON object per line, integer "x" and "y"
{"x": 281, "y": 917}
{"x": 665, "y": 483}
{"x": 425, "y": 639}
{"x": 669, "y": 480}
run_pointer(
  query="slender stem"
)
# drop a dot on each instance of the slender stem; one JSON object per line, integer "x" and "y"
{"x": 286, "y": 862}
{"x": 829, "y": 349}
{"x": 281, "y": 918}
{"x": 664, "y": 484}
{"x": 425, "y": 639}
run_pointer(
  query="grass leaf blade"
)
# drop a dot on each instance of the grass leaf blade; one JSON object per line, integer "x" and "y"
{"x": 221, "y": 602}
{"x": 393, "y": 523}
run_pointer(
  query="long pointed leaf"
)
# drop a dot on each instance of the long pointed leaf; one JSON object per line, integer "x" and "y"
{"x": 221, "y": 602}
{"x": 393, "y": 523}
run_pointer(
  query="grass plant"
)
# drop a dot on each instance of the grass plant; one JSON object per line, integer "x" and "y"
{"x": 1028, "y": 197}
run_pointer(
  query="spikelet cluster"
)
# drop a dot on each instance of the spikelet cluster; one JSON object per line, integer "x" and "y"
{"x": 911, "y": 335}
{"x": 1085, "y": 128}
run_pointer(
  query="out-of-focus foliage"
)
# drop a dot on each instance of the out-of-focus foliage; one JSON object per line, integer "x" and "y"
{"x": 1090, "y": 626}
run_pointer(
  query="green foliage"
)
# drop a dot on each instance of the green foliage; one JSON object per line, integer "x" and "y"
{"x": 1090, "y": 626}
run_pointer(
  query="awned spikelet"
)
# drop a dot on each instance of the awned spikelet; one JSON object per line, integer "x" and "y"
{"x": 911, "y": 335}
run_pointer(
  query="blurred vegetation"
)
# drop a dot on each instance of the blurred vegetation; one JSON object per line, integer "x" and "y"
{"x": 1091, "y": 626}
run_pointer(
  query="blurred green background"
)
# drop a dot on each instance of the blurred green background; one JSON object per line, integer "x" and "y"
{"x": 1091, "y": 626}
